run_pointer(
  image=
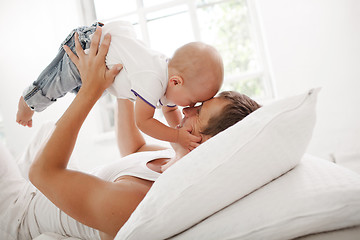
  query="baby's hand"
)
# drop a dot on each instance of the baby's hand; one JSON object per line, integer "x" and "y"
{"x": 187, "y": 140}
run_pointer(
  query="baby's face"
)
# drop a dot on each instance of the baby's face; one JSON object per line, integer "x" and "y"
{"x": 184, "y": 96}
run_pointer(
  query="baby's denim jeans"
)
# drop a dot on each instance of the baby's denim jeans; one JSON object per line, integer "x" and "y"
{"x": 61, "y": 75}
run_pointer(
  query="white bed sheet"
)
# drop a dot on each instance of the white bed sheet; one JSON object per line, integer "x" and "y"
{"x": 352, "y": 233}
{"x": 315, "y": 196}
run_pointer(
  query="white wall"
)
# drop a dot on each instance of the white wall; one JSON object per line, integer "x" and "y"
{"x": 314, "y": 43}
{"x": 28, "y": 42}
{"x": 31, "y": 33}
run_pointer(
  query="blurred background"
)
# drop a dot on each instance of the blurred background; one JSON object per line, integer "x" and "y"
{"x": 271, "y": 49}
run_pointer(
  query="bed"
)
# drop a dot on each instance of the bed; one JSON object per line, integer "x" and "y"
{"x": 316, "y": 196}
{"x": 350, "y": 233}
{"x": 316, "y": 200}
{"x": 252, "y": 181}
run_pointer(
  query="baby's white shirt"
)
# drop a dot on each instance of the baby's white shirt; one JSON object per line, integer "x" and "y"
{"x": 145, "y": 71}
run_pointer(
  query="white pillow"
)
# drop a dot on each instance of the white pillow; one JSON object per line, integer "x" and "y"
{"x": 316, "y": 196}
{"x": 239, "y": 160}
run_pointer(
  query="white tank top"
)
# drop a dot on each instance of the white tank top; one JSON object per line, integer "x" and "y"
{"x": 44, "y": 216}
{"x": 132, "y": 165}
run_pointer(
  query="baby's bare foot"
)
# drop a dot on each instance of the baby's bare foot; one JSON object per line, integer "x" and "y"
{"x": 24, "y": 114}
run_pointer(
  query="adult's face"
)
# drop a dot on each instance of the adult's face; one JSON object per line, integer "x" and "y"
{"x": 197, "y": 118}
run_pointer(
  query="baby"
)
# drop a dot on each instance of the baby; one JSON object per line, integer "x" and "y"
{"x": 194, "y": 74}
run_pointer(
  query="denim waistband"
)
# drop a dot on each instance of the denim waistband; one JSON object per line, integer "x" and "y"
{"x": 84, "y": 33}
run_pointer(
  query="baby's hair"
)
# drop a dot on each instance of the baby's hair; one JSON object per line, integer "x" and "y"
{"x": 199, "y": 63}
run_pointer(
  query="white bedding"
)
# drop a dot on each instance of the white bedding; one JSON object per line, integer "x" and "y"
{"x": 261, "y": 147}
{"x": 315, "y": 196}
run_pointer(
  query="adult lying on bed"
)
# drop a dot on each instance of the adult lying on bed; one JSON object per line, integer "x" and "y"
{"x": 103, "y": 201}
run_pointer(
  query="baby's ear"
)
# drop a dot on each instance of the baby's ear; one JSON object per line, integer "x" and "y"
{"x": 176, "y": 80}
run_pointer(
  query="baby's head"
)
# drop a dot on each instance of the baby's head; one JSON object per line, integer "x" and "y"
{"x": 196, "y": 74}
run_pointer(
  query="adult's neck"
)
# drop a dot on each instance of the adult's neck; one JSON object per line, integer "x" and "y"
{"x": 179, "y": 153}
{"x": 179, "y": 150}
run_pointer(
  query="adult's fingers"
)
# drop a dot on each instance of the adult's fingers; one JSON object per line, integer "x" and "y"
{"x": 78, "y": 48}
{"x": 194, "y": 145}
{"x": 104, "y": 47}
{"x": 114, "y": 71}
{"x": 195, "y": 139}
{"x": 192, "y": 136}
{"x": 72, "y": 56}
{"x": 95, "y": 42}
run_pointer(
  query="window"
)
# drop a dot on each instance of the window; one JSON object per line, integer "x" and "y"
{"x": 228, "y": 25}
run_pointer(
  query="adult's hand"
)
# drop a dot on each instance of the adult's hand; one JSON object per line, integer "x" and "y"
{"x": 93, "y": 71}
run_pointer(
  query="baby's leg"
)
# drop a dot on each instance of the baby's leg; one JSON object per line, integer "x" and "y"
{"x": 58, "y": 78}
{"x": 24, "y": 113}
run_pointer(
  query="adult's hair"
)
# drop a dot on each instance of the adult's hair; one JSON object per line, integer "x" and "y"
{"x": 238, "y": 108}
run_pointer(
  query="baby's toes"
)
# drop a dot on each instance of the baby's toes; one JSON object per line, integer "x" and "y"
{"x": 29, "y": 123}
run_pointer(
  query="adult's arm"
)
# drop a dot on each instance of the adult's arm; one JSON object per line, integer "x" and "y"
{"x": 129, "y": 137}
{"x": 99, "y": 204}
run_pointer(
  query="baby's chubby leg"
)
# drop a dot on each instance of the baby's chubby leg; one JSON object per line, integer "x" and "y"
{"x": 24, "y": 113}
{"x": 55, "y": 81}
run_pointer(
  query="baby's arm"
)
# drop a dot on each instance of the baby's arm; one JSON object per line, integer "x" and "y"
{"x": 144, "y": 117}
{"x": 172, "y": 115}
